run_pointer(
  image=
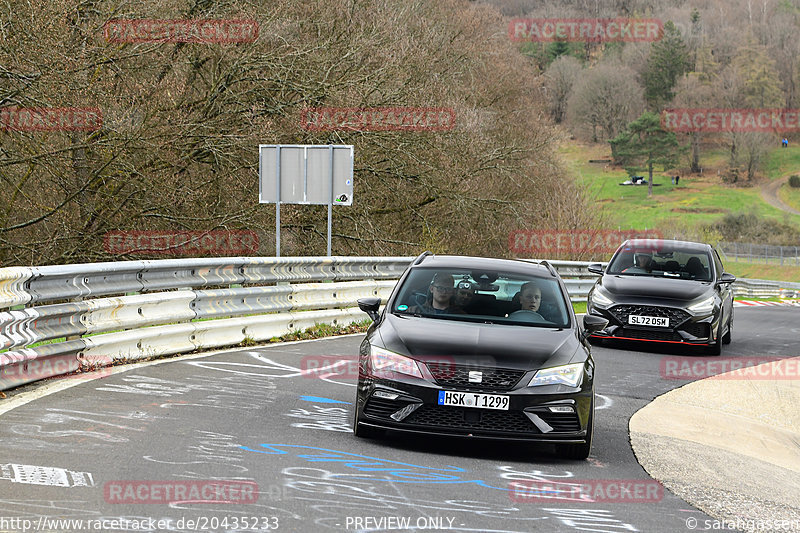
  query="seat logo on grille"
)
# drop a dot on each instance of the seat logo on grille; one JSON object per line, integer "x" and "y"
{"x": 475, "y": 376}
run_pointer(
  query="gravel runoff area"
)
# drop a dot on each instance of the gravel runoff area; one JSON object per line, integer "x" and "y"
{"x": 729, "y": 445}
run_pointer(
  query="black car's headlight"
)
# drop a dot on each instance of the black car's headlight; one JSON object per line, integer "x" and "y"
{"x": 600, "y": 300}
{"x": 386, "y": 364}
{"x": 569, "y": 375}
{"x": 704, "y": 307}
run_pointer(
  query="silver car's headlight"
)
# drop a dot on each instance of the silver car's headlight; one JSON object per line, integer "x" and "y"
{"x": 558, "y": 375}
{"x": 704, "y": 307}
{"x": 600, "y": 300}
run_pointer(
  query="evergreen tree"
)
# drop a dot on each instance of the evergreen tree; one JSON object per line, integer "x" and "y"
{"x": 669, "y": 59}
{"x": 644, "y": 144}
{"x": 761, "y": 83}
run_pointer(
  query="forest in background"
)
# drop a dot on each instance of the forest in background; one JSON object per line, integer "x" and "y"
{"x": 732, "y": 54}
{"x": 178, "y": 147}
{"x": 177, "y": 150}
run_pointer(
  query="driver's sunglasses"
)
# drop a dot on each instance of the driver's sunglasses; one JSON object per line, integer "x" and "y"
{"x": 443, "y": 288}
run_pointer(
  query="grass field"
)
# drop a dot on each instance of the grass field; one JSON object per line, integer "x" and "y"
{"x": 782, "y": 161}
{"x": 756, "y": 271}
{"x": 696, "y": 201}
{"x": 790, "y": 195}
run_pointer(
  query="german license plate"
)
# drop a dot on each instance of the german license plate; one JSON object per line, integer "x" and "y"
{"x": 473, "y": 399}
{"x": 659, "y": 321}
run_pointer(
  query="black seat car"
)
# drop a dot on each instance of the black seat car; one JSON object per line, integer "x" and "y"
{"x": 664, "y": 291}
{"x": 486, "y": 369}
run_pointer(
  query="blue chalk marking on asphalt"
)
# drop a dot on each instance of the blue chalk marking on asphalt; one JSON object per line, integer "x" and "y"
{"x": 319, "y": 399}
{"x": 388, "y": 470}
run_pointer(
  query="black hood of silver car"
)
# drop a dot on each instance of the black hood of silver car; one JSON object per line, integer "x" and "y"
{"x": 662, "y": 287}
{"x": 471, "y": 343}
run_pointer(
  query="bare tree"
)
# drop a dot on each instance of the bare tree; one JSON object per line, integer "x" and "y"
{"x": 692, "y": 92}
{"x": 559, "y": 79}
{"x": 177, "y": 148}
{"x": 605, "y": 99}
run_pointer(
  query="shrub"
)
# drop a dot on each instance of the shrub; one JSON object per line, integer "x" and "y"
{"x": 794, "y": 181}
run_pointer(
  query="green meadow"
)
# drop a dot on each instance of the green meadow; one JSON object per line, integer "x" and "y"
{"x": 697, "y": 199}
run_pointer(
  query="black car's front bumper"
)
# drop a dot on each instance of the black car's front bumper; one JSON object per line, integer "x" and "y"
{"x": 528, "y": 418}
{"x": 684, "y": 327}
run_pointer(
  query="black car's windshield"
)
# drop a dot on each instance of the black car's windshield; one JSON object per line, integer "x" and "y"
{"x": 661, "y": 261}
{"x": 481, "y": 296}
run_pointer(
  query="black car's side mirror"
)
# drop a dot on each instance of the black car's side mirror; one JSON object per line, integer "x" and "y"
{"x": 726, "y": 277}
{"x": 370, "y": 306}
{"x": 596, "y": 268}
{"x": 592, "y": 324}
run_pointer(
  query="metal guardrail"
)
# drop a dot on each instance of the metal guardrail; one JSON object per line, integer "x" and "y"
{"x": 183, "y": 305}
{"x": 90, "y": 316}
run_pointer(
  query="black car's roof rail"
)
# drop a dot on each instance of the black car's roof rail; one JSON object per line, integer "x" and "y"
{"x": 421, "y": 257}
{"x": 549, "y": 267}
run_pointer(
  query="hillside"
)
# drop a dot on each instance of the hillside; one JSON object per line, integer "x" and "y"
{"x": 181, "y": 123}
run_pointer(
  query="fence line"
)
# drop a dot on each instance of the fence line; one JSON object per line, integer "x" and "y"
{"x": 757, "y": 253}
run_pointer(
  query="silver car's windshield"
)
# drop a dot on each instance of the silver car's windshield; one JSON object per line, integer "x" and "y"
{"x": 661, "y": 261}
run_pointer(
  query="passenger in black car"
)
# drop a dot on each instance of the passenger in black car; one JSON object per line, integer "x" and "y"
{"x": 465, "y": 292}
{"x": 695, "y": 268}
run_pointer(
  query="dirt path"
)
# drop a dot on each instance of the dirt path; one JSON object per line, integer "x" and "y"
{"x": 769, "y": 192}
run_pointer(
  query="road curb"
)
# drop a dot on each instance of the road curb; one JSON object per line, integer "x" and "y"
{"x": 729, "y": 446}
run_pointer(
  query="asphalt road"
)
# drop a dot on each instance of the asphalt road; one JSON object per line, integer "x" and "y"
{"x": 264, "y": 416}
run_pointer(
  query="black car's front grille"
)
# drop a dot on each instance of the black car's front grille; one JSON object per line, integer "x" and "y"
{"x": 698, "y": 329}
{"x": 648, "y": 335}
{"x": 561, "y": 422}
{"x": 494, "y": 379}
{"x": 471, "y": 419}
{"x": 676, "y": 316}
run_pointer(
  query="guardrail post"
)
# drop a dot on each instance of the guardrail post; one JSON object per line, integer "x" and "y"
{"x": 74, "y": 337}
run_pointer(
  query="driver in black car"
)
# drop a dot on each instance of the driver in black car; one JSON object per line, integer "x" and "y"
{"x": 440, "y": 297}
{"x": 643, "y": 265}
{"x": 530, "y": 299}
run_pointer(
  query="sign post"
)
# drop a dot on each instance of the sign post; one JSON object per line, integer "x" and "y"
{"x": 305, "y": 174}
